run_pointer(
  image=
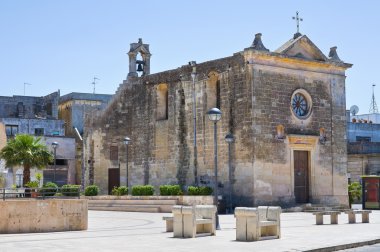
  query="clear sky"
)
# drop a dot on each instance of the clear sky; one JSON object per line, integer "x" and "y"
{"x": 63, "y": 44}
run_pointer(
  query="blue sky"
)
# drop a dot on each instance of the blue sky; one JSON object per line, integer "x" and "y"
{"x": 62, "y": 45}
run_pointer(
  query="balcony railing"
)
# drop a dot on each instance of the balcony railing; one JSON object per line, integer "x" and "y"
{"x": 363, "y": 148}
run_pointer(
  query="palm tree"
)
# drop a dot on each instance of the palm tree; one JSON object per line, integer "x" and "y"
{"x": 27, "y": 151}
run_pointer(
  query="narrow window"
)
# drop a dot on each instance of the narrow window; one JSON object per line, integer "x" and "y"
{"x": 114, "y": 153}
{"x": 162, "y": 102}
{"x": 213, "y": 91}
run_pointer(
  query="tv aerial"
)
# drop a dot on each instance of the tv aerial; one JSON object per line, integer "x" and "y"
{"x": 354, "y": 110}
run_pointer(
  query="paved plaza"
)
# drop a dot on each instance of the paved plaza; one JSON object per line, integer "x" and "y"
{"x": 129, "y": 231}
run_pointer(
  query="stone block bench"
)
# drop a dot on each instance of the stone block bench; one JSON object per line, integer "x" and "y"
{"x": 169, "y": 223}
{"x": 352, "y": 213}
{"x": 188, "y": 221}
{"x": 333, "y": 216}
{"x": 253, "y": 224}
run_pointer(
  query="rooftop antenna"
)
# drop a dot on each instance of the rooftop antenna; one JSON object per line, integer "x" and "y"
{"x": 298, "y": 19}
{"x": 94, "y": 83}
{"x": 373, "y": 106}
{"x": 25, "y": 83}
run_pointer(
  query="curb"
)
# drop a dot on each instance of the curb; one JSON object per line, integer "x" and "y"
{"x": 345, "y": 246}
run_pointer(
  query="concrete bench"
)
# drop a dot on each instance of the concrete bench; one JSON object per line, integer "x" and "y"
{"x": 169, "y": 223}
{"x": 188, "y": 221}
{"x": 352, "y": 213}
{"x": 253, "y": 224}
{"x": 333, "y": 217}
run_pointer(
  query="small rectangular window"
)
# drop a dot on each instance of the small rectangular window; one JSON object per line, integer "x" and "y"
{"x": 114, "y": 153}
{"x": 11, "y": 130}
{"x": 363, "y": 139}
{"x": 39, "y": 131}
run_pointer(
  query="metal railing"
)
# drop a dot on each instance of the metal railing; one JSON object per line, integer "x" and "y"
{"x": 39, "y": 193}
{"x": 363, "y": 147}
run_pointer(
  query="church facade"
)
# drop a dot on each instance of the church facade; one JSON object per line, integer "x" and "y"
{"x": 284, "y": 108}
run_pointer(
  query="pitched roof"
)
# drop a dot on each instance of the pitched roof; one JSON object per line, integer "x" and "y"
{"x": 300, "y": 46}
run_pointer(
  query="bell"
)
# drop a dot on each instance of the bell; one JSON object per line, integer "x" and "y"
{"x": 140, "y": 68}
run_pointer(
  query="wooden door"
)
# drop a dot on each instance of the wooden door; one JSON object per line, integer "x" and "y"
{"x": 113, "y": 178}
{"x": 301, "y": 176}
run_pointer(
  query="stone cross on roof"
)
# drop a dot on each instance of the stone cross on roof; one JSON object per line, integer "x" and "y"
{"x": 298, "y": 19}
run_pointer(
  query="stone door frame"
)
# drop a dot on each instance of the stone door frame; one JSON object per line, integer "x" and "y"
{"x": 303, "y": 143}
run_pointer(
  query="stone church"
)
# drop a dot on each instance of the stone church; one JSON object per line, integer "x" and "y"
{"x": 284, "y": 108}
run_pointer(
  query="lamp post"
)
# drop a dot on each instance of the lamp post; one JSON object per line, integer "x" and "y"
{"x": 229, "y": 139}
{"x": 193, "y": 75}
{"x": 215, "y": 115}
{"x": 55, "y": 146}
{"x": 127, "y": 140}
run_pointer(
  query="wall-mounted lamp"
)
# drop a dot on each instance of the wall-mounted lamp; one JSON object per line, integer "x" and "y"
{"x": 280, "y": 132}
{"x": 322, "y": 136}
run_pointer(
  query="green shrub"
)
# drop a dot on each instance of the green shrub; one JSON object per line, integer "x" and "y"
{"x": 2, "y": 181}
{"x": 70, "y": 190}
{"x": 166, "y": 190}
{"x": 201, "y": 190}
{"x": 122, "y": 190}
{"x": 49, "y": 189}
{"x": 33, "y": 184}
{"x": 142, "y": 190}
{"x": 354, "y": 192}
{"x": 91, "y": 190}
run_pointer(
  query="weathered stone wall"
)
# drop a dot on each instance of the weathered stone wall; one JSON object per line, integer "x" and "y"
{"x": 254, "y": 98}
{"x": 363, "y": 164}
{"x": 51, "y": 215}
{"x": 30, "y": 106}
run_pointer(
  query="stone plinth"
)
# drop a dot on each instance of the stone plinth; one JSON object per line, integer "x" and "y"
{"x": 51, "y": 215}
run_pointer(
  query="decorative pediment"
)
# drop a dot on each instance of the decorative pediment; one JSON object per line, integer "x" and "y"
{"x": 142, "y": 49}
{"x": 302, "y": 47}
{"x": 139, "y": 47}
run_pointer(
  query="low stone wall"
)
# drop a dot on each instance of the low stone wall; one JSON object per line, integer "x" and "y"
{"x": 182, "y": 200}
{"x": 50, "y": 215}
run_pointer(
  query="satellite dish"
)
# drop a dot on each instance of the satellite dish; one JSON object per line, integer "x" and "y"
{"x": 354, "y": 110}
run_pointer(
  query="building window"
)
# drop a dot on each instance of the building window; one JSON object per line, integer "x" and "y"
{"x": 213, "y": 91}
{"x": 301, "y": 104}
{"x": 11, "y": 130}
{"x": 19, "y": 178}
{"x": 114, "y": 153}
{"x": 363, "y": 139}
{"x": 39, "y": 131}
{"x": 162, "y": 102}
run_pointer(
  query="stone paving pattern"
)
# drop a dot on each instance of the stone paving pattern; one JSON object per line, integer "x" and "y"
{"x": 127, "y": 231}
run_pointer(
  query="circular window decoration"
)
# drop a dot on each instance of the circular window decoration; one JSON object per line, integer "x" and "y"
{"x": 301, "y": 103}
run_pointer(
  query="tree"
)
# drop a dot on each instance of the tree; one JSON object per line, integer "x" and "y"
{"x": 27, "y": 151}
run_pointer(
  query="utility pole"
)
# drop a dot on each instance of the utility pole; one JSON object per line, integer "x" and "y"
{"x": 94, "y": 83}
{"x": 25, "y": 85}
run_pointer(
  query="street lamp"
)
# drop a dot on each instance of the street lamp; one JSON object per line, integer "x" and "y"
{"x": 55, "y": 146}
{"x": 193, "y": 76}
{"x": 229, "y": 139}
{"x": 215, "y": 115}
{"x": 127, "y": 140}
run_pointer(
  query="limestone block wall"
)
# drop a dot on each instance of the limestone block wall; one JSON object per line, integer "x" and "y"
{"x": 51, "y": 215}
{"x": 363, "y": 164}
{"x": 254, "y": 92}
{"x": 273, "y": 86}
